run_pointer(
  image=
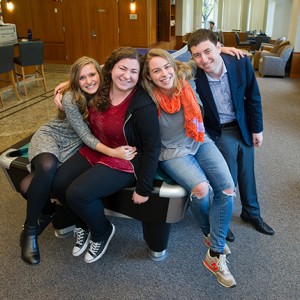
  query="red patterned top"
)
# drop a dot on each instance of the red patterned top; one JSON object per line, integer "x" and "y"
{"x": 107, "y": 126}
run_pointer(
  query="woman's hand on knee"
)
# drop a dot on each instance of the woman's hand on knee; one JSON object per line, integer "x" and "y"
{"x": 138, "y": 199}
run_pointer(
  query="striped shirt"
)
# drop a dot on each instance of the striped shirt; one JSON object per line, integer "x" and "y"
{"x": 221, "y": 93}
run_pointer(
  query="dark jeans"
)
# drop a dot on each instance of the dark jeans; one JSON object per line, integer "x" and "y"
{"x": 81, "y": 186}
{"x": 240, "y": 160}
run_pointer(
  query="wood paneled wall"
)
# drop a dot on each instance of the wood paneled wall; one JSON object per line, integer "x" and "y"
{"x": 90, "y": 30}
{"x": 140, "y": 32}
{"x": 295, "y": 66}
{"x": 73, "y": 28}
{"x": 21, "y": 16}
{"x": 229, "y": 39}
{"x": 45, "y": 19}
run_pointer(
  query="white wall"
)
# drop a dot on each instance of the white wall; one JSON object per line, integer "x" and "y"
{"x": 282, "y": 17}
{"x": 295, "y": 26}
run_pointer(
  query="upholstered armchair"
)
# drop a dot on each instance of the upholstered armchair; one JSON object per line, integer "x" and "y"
{"x": 275, "y": 65}
{"x": 269, "y": 46}
{"x": 274, "y": 51}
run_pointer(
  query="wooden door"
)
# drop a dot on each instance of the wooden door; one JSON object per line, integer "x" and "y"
{"x": 91, "y": 29}
{"x": 49, "y": 28}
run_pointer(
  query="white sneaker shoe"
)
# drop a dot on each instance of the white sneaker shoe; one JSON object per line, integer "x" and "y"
{"x": 218, "y": 266}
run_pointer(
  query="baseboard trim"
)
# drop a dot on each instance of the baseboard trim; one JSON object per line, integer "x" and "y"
{"x": 295, "y": 65}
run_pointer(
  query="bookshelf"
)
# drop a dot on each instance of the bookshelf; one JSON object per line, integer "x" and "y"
{"x": 167, "y": 22}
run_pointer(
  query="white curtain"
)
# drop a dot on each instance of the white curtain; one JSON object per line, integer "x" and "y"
{"x": 256, "y": 17}
{"x": 231, "y": 17}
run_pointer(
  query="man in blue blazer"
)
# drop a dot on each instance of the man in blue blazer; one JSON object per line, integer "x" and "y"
{"x": 232, "y": 115}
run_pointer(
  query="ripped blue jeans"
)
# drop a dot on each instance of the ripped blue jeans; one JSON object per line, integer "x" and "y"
{"x": 206, "y": 165}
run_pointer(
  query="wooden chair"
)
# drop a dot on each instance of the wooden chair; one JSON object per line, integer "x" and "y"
{"x": 31, "y": 54}
{"x": 7, "y": 66}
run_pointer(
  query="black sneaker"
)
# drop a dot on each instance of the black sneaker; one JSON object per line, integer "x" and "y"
{"x": 82, "y": 240}
{"x": 97, "y": 249}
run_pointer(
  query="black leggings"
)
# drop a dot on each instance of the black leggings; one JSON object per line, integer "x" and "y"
{"x": 81, "y": 186}
{"x": 36, "y": 187}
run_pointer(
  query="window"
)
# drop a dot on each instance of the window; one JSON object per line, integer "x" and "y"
{"x": 209, "y": 12}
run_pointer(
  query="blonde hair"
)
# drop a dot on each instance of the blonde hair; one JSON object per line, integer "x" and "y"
{"x": 182, "y": 72}
{"x": 78, "y": 96}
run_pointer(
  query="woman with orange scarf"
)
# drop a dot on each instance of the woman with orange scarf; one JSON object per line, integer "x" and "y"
{"x": 190, "y": 157}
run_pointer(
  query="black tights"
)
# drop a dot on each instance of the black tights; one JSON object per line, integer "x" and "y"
{"x": 36, "y": 187}
{"x": 80, "y": 187}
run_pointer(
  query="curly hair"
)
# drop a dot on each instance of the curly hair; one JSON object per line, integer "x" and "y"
{"x": 103, "y": 101}
{"x": 182, "y": 72}
{"x": 79, "y": 97}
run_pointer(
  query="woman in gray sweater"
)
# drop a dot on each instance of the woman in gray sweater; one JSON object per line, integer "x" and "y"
{"x": 53, "y": 144}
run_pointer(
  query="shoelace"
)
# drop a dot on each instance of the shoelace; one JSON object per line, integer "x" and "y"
{"x": 95, "y": 247}
{"x": 222, "y": 264}
{"x": 79, "y": 232}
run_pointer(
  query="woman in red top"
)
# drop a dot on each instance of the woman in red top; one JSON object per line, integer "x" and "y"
{"x": 123, "y": 114}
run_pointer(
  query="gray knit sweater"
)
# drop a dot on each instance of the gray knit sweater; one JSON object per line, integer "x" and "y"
{"x": 62, "y": 138}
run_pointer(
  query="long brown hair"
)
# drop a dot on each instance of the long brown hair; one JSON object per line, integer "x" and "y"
{"x": 103, "y": 101}
{"x": 78, "y": 96}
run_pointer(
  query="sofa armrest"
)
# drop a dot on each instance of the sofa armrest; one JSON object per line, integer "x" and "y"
{"x": 265, "y": 47}
{"x": 267, "y": 53}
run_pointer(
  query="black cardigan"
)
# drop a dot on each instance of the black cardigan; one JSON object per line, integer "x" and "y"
{"x": 141, "y": 128}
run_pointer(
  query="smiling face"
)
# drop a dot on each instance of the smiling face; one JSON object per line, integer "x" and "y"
{"x": 162, "y": 74}
{"x": 89, "y": 79}
{"x": 125, "y": 74}
{"x": 207, "y": 57}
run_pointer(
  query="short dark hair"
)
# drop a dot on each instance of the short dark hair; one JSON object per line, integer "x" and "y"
{"x": 202, "y": 35}
{"x": 212, "y": 22}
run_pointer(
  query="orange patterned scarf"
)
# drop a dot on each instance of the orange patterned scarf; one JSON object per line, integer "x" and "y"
{"x": 193, "y": 122}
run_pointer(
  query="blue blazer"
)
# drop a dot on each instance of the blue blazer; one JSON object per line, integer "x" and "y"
{"x": 245, "y": 96}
